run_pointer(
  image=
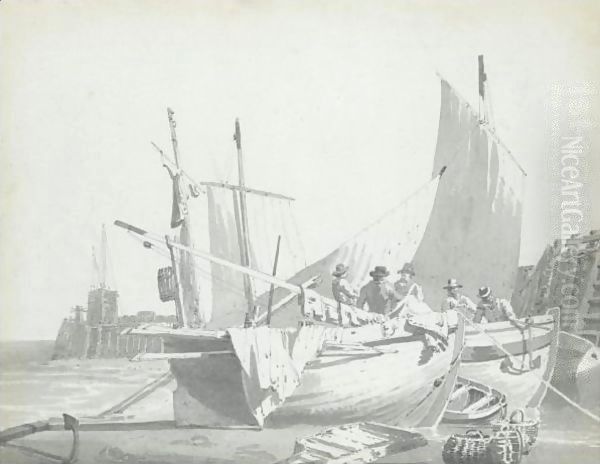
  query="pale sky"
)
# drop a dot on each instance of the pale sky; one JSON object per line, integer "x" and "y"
{"x": 338, "y": 101}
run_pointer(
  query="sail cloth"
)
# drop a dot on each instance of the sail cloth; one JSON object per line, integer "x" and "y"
{"x": 268, "y": 218}
{"x": 475, "y": 226}
{"x": 390, "y": 241}
{"x": 273, "y": 360}
{"x": 196, "y": 313}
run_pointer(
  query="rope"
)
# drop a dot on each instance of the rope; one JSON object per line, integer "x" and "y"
{"x": 203, "y": 273}
{"x": 297, "y": 232}
{"x": 544, "y": 381}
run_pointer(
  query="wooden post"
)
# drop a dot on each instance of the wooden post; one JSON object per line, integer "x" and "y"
{"x": 178, "y": 297}
{"x": 272, "y": 289}
{"x": 243, "y": 222}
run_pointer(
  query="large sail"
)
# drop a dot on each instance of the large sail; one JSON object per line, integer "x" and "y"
{"x": 268, "y": 218}
{"x": 475, "y": 226}
{"x": 390, "y": 241}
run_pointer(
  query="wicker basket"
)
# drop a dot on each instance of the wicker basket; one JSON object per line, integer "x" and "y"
{"x": 506, "y": 446}
{"x": 470, "y": 448}
{"x": 528, "y": 428}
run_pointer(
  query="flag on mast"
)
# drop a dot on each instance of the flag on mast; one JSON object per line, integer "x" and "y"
{"x": 482, "y": 77}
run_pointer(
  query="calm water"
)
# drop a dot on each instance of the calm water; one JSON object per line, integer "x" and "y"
{"x": 34, "y": 388}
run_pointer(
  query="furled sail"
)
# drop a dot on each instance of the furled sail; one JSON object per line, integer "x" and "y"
{"x": 474, "y": 230}
{"x": 268, "y": 218}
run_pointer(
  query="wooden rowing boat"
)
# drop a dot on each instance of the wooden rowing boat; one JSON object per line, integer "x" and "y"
{"x": 474, "y": 402}
{"x": 363, "y": 376}
{"x": 522, "y": 376}
{"x": 354, "y": 444}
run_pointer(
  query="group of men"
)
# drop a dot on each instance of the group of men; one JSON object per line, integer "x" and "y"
{"x": 385, "y": 298}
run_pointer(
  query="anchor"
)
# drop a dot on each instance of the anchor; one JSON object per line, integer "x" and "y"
{"x": 20, "y": 431}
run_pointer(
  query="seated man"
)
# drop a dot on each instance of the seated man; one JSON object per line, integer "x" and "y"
{"x": 493, "y": 309}
{"x": 456, "y": 300}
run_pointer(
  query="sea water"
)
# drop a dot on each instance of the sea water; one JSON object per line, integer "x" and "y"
{"x": 32, "y": 387}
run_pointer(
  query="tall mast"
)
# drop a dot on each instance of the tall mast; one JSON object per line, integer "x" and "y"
{"x": 103, "y": 259}
{"x": 186, "y": 302}
{"x": 95, "y": 269}
{"x": 243, "y": 220}
{"x": 172, "y": 126}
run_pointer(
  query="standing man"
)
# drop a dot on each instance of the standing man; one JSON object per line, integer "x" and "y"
{"x": 342, "y": 291}
{"x": 455, "y": 300}
{"x": 493, "y": 309}
{"x": 406, "y": 285}
{"x": 378, "y": 293}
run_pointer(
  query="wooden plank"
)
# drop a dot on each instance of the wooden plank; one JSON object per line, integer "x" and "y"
{"x": 187, "y": 355}
{"x": 24, "y": 430}
{"x": 479, "y": 404}
{"x": 339, "y": 445}
{"x": 456, "y": 393}
{"x": 139, "y": 395}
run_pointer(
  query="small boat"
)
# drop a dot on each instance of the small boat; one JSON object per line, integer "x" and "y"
{"x": 354, "y": 443}
{"x": 523, "y": 376}
{"x": 474, "y": 402}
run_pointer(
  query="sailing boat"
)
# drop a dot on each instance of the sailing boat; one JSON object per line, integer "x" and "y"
{"x": 312, "y": 373}
{"x": 469, "y": 212}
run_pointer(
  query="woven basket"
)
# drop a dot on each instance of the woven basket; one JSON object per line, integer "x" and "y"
{"x": 470, "y": 448}
{"x": 528, "y": 428}
{"x": 506, "y": 446}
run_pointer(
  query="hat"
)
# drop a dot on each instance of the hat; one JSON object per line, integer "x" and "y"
{"x": 485, "y": 292}
{"x": 380, "y": 271}
{"x": 407, "y": 269}
{"x": 340, "y": 270}
{"x": 452, "y": 283}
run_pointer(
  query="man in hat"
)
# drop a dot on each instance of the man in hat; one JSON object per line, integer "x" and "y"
{"x": 378, "y": 293}
{"x": 493, "y": 309}
{"x": 342, "y": 291}
{"x": 405, "y": 285}
{"x": 455, "y": 299}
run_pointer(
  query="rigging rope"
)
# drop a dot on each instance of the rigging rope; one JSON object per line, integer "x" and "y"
{"x": 544, "y": 381}
{"x": 204, "y": 274}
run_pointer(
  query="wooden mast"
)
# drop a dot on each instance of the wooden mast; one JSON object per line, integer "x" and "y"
{"x": 486, "y": 113}
{"x": 242, "y": 220}
{"x": 272, "y": 289}
{"x": 103, "y": 258}
{"x": 178, "y": 296}
{"x": 172, "y": 125}
{"x": 186, "y": 312}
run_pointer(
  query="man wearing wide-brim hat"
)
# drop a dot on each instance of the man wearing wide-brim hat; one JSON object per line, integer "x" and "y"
{"x": 378, "y": 293}
{"x": 406, "y": 285}
{"x": 341, "y": 288}
{"x": 456, "y": 300}
{"x": 493, "y": 309}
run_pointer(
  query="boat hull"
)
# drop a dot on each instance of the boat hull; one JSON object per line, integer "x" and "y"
{"x": 577, "y": 372}
{"x": 524, "y": 387}
{"x": 462, "y": 406}
{"x": 397, "y": 382}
